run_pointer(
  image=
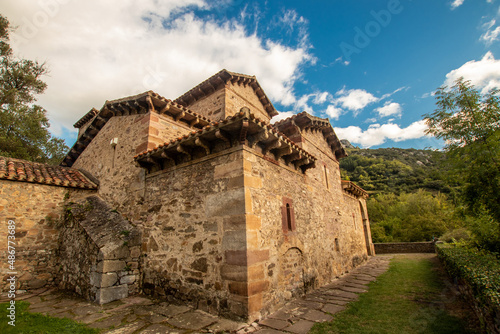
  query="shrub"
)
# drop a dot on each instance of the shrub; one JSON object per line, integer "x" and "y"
{"x": 480, "y": 269}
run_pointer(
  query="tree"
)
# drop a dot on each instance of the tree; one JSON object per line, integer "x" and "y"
{"x": 469, "y": 122}
{"x": 24, "y": 125}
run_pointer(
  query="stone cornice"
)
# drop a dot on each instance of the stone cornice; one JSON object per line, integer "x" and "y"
{"x": 242, "y": 128}
{"x": 132, "y": 105}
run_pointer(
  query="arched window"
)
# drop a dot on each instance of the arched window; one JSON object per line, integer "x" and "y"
{"x": 287, "y": 216}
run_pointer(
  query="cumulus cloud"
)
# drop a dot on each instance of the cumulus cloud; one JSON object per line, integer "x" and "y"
{"x": 389, "y": 108}
{"x": 484, "y": 74}
{"x": 354, "y": 99}
{"x": 456, "y": 3}
{"x": 98, "y": 51}
{"x": 377, "y": 134}
{"x": 333, "y": 112}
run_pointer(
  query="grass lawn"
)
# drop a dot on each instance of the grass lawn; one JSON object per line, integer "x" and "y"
{"x": 35, "y": 323}
{"x": 411, "y": 297}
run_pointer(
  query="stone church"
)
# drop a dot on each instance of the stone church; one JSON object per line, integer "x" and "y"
{"x": 198, "y": 199}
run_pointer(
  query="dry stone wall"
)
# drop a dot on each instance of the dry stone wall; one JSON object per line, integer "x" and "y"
{"x": 36, "y": 210}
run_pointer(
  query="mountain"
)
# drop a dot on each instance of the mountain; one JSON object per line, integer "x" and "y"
{"x": 394, "y": 170}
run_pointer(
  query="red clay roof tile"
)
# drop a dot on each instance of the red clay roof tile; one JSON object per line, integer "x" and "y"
{"x": 28, "y": 171}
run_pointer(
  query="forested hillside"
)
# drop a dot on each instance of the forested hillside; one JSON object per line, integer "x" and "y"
{"x": 411, "y": 198}
{"x": 394, "y": 170}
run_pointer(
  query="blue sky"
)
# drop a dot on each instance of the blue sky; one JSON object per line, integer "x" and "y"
{"x": 369, "y": 66}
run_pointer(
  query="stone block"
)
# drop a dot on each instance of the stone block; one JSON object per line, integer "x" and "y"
{"x": 234, "y": 168}
{"x": 104, "y": 280}
{"x": 234, "y": 273}
{"x": 253, "y": 222}
{"x": 129, "y": 279}
{"x": 234, "y": 240}
{"x": 110, "y": 265}
{"x": 106, "y": 295}
{"x": 135, "y": 252}
{"x": 234, "y": 223}
{"x": 231, "y": 202}
{"x": 253, "y": 182}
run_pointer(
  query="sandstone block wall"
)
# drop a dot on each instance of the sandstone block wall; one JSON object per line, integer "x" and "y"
{"x": 99, "y": 252}
{"x": 295, "y": 261}
{"x": 193, "y": 220}
{"x": 114, "y": 167}
{"x": 36, "y": 210}
{"x": 404, "y": 247}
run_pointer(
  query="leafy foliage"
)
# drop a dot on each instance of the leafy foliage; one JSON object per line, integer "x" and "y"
{"x": 24, "y": 125}
{"x": 469, "y": 122}
{"x": 419, "y": 216}
{"x": 479, "y": 268}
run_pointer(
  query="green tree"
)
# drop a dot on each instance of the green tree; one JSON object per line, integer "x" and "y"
{"x": 24, "y": 125}
{"x": 469, "y": 122}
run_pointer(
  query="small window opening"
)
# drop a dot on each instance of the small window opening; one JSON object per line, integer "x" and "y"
{"x": 326, "y": 176}
{"x": 288, "y": 217}
{"x": 337, "y": 246}
{"x": 354, "y": 220}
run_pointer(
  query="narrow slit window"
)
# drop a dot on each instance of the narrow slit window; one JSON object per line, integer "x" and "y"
{"x": 287, "y": 216}
{"x": 326, "y": 176}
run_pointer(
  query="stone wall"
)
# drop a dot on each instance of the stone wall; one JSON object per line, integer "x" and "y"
{"x": 404, "y": 247}
{"x": 211, "y": 106}
{"x": 36, "y": 210}
{"x": 239, "y": 96}
{"x": 114, "y": 167}
{"x": 99, "y": 252}
{"x": 292, "y": 262}
{"x": 194, "y": 226}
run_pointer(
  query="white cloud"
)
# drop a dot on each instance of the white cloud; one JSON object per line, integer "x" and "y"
{"x": 98, "y": 51}
{"x": 390, "y": 108}
{"x": 281, "y": 116}
{"x": 333, "y": 112}
{"x": 377, "y": 134}
{"x": 484, "y": 74}
{"x": 491, "y": 36}
{"x": 456, "y": 3}
{"x": 354, "y": 99}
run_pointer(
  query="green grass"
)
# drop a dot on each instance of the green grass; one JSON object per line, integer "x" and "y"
{"x": 35, "y": 323}
{"x": 409, "y": 298}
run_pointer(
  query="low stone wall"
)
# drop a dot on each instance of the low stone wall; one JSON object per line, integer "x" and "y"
{"x": 33, "y": 212}
{"x": 404, "y": 247}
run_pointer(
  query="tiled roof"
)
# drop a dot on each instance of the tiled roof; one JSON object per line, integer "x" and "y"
{"x": 137, "y": 104}
{"x": 28, "y": 171}
{"x": 291, "y": 125}
{"x": 354, "y": 189}
{"x": 241, "y": 127}
{"x": 213, "y": 83}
